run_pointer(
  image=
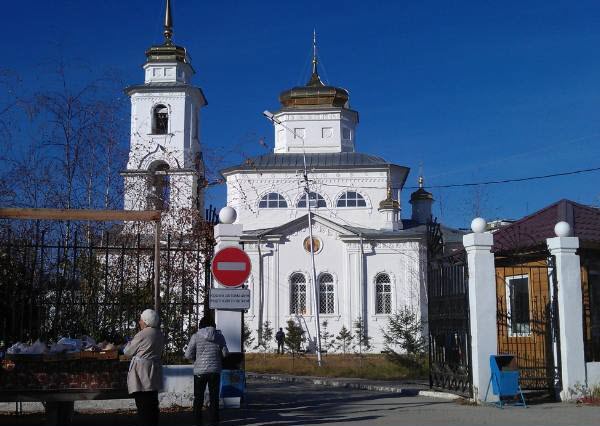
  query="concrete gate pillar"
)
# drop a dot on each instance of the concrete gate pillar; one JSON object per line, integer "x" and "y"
{"x": 228, "y": 234}
{"x": 570, "y": 309}
{"x": 482, "y": 306}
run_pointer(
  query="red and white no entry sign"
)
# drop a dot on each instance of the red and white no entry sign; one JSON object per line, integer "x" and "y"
{"x": 231, "y": 266}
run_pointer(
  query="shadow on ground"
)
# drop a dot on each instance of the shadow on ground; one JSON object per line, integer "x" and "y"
{"x": 267, "y": 403}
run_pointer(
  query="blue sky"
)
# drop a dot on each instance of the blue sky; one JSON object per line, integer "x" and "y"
{"x": 475, "y": 91}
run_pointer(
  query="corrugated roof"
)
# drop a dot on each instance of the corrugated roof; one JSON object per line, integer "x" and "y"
{"x": 313, "y": 160}
{"x": 533, "y": 230}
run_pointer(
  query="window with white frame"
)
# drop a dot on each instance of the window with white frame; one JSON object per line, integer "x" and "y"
{"x": 383, "y": 294}
{"x": 517, "y": 297}
{"x": 351, "y": 199}
{"x": 272, "y": 200}
{"x": 315, "y": 200}
{"x": 298, "y": 294}
{"x": 326, "y": 294}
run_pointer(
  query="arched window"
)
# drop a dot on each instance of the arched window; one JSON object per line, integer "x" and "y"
{"x": 326, "y": 294}
{"x": 351, "y": 199}
{"x": 159, "y": 191}
{"x": 160, "y": 120}
{"x": 298, "y": 294}
{"x": 272, "y": 200}
{"x": 316, "y": 200}
{"x": 383, "y": 294}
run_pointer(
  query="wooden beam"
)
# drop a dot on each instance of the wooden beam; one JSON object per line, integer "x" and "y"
{"x": 78, "y": 214}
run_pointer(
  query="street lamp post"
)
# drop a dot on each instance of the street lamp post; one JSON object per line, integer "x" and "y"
{"x": 272, "y": 118}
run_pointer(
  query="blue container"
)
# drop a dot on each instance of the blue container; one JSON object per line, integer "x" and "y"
{"x": 233, "y": 383}
{"x": 505, "y": 378}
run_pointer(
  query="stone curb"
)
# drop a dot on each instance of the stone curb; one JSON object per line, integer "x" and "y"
{"x": 342, "y": 383}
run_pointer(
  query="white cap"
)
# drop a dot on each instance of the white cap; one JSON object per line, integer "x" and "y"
{"x": 562, "y": 229}
{"x": 150, "y": 317}
{"x": 478, "y": 225}
{"x": 227, "y": 215}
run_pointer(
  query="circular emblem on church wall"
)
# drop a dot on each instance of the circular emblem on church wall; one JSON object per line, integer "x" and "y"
{"x": 317, "y": 245}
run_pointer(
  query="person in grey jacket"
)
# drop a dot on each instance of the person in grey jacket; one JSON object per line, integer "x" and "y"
{"x": 144, "y": 379}
{"x": 207, "y": 348}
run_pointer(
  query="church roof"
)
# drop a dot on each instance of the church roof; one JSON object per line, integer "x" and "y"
{"x": 412, "y": 232}
{"x": 330, "y": 160}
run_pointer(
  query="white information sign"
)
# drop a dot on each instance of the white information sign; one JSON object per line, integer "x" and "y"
{"x": 232, "y": 299}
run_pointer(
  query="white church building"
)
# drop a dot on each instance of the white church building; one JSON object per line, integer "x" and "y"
{"x": 368, "y": 261}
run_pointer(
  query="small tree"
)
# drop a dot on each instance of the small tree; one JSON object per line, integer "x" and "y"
{"x": 327, "y": 338}
{"x": 363, "y": 341}
{"x": 294, "y": 337}
{"x": 344, "y": 339}
{"x": 265, "y": 334}
{"x": 404, "y": 331}
{"x": 247, "y": 336}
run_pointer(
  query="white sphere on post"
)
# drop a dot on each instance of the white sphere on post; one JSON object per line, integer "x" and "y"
{"x": 478, "y": 225}
{"x": 562, "y": 229}
{"x": 227, "y": 215}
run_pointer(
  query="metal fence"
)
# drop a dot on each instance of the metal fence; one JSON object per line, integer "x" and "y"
{"x": 527, "y": 319}
{"x": 449, "y": 327}
{"x": 58, "y": 280}
{"x": 590, "y": 286}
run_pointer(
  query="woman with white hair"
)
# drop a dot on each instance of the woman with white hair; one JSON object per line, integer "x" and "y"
{"x": 144, "y": 379}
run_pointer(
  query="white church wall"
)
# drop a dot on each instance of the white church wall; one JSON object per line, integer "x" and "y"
{"x": 327, "y": 130}
{"x": 245, "y": 190}
{"x": 354, "y": 296}
{"x": 175, "y": 147}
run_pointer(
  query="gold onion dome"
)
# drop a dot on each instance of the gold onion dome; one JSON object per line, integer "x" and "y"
{"x": 421, "y": 193}
{"x": 389, "y": 204}
{"x": 167, "y": 52}
{"x": 315, "y": 92}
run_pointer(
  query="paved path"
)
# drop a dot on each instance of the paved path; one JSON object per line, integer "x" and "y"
{"x": 291, "y": 404}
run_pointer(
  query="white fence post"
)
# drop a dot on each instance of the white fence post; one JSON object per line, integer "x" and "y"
{"x": 228, "y": 234}
{"x": 482, "y": 306}
{"x": 570, "y": 309}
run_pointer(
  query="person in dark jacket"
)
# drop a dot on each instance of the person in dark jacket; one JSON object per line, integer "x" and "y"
{"x": 207, "y": 348}
{"x": 280, "y": 337}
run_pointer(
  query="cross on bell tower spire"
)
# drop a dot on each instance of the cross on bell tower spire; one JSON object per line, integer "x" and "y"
{"x": 315, "y": 80}
{"x": 168, "y": 31}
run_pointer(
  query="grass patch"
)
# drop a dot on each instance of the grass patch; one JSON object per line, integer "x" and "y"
{"x": 372, "y": 366}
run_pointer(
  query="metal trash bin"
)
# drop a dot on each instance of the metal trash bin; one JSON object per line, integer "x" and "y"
{"x": 233, "y": 387}
{"x": 505, "y": 380}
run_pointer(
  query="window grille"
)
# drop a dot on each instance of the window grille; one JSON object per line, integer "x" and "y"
{"x": 351, "y": 199}
{"x": 298, "y": 294}
{"x": 326, "y": 294}
{"x": 272, "y": 200}
{"x": 383, "y": 294}
{"x": 316, "y": 200}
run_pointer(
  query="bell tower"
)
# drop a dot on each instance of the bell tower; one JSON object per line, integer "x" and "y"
{"x": 165, "y": 170}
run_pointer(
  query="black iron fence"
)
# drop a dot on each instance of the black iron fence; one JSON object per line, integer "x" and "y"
{"x": 449, "y": 327}
{"x": 527, "y": 319}
{"x": 79, "y": 280}
{"x": 590, "y": 286}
